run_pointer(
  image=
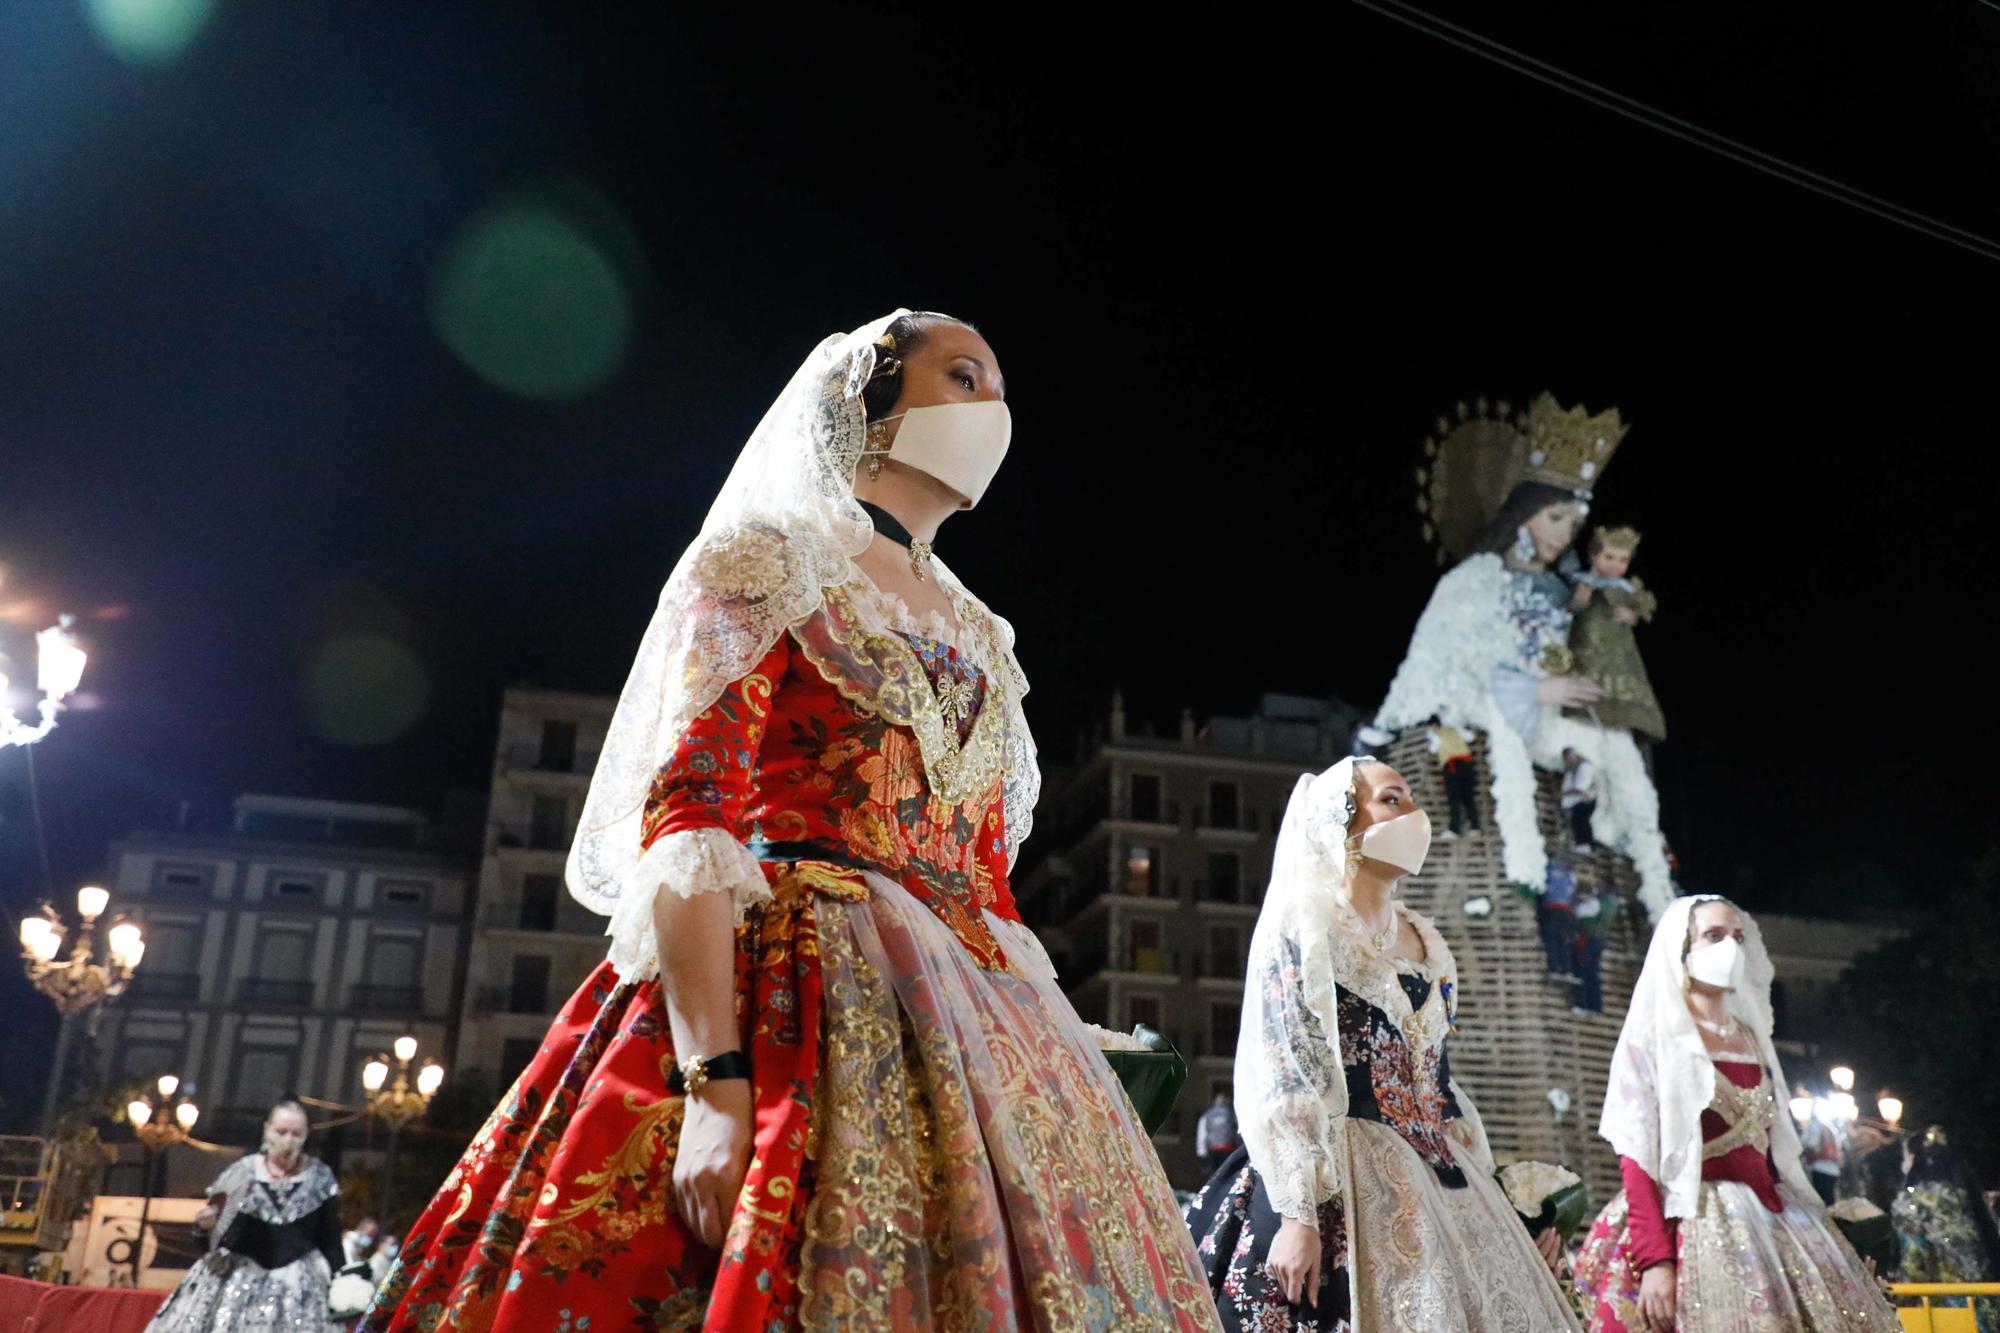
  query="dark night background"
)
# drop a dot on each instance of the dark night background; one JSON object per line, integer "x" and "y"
{"x": 1232, "y": 270}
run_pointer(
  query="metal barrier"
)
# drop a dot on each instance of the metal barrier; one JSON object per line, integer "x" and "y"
{"x": 1924, "y": 1317}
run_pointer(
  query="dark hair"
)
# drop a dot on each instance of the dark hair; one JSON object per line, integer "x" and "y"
{"x": 885, "y": 386}
{"x": 1523, "y": 503}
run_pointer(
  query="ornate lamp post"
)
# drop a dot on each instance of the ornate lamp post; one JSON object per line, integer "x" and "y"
{"x": 399, "y": 1103}
{"x": 59, "y": 670}
{"x": 160, "y": 1122}
{"x": 79, "y": 981}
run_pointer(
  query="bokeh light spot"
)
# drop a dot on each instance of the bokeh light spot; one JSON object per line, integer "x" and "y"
{"x": 539, "y": 294}
{"x": 365, "y": 688}
{"x": 147, "y": 32}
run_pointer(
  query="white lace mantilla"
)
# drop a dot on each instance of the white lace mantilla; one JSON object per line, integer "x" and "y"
{"x": 1290, "y": 1082}
{"x": 782, "y": 532}
{"x": 1663, "y": 1078}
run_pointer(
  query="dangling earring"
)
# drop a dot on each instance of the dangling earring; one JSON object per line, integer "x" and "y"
{"x": 1524, "y": 544}
{"x": 878, "y": 445}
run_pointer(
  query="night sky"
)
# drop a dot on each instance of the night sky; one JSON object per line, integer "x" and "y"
{"x": 1232, "y": 272}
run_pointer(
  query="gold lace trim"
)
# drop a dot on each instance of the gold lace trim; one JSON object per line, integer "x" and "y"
{"x": 1750, "y": 1113}
{"x": 883, "y": 674}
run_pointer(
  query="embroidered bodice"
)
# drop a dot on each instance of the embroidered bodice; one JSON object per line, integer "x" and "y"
{"x": 1739, "y": 1116}
{"x": 869, "y": 750}
{"x": 1397, "y": 1078}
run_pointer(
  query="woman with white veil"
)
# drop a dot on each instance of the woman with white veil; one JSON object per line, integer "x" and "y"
{"x": 1363, "y": 1196}
{"x": 1717, "y": 1229}
{"x": 825, "y": 1078}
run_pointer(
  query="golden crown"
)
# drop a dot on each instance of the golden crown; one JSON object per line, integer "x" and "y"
{"x": 1618, "y": 539}
{"x": 1568, "y": 447}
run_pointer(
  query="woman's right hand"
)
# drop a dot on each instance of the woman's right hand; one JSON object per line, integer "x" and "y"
{"x": 1569, "y": 691}
{"x": 1656, "y": 1297}
{"x": 1294, "y": 1262}
{"x": 206, "y": 1217}
{"x": 714, "y": 1156}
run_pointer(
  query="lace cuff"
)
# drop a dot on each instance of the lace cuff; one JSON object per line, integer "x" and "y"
{"x": 1307, "y": 1167}
{"x": 692, "y": 861}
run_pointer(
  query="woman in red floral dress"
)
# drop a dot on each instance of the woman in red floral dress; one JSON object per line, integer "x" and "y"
{"x": 825, "y": 1078}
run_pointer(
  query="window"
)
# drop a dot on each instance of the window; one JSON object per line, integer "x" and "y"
{"x": 1223, "y": 1018}
{"x": 287, "y": 887}
{"x": 262, "y": 1076}
{"x": 149, "y": 1059}
{"x": 514, "y": 1057}
{"x": 1144, "y": 789}
{"x": 395, "y": 960}
{"x": 1225, "y": 958}
{"x": 173, "y": 948}
{"x": 550, "y": 824}
{"x": 1144, "y": 936}
{"x": 284, "y": 955}
{"x": 1142, "y": 1009}
{"x": 539, "y": 896}
{"x": 403, "y": 895}
{"x": 1142, "y": 873}
{"x": 1225, "y": 808}
{"x": 191, "y": 881}
{"x": 529, "y": 993}
{"x": 1225, "y": 877}
{"x": 558, "y": 746}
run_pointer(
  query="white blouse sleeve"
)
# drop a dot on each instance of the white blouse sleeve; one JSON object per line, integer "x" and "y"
{"x": 692, "y": 861}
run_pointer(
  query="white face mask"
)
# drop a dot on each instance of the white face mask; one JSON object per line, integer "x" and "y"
{"x": 1402, "y": 842}
{"x": 961, "y": 444}
{"x": 1718, "y": 965}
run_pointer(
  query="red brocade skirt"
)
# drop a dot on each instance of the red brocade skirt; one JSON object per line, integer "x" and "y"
{"x": 937, "y": 1146}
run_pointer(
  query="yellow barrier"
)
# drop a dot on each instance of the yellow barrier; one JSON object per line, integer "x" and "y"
{"x": 1927, "y": 1318}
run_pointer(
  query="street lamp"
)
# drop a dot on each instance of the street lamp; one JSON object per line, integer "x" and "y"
{"x": 161, "y": 1119}
{"x": 1842, "y": 1077}
{"x": 79, "y": 981}
{"x": 58, "y": 671}
{"x": 400, "y": 1102}
{"x": 1891, "y": 1109}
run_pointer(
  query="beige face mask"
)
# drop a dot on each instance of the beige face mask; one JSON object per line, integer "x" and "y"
{"x": 960, "y": 444}
{"x": 1402, "y": 842}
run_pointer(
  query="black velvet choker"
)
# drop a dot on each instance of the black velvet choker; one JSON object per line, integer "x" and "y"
{"x": 887, "y": 524}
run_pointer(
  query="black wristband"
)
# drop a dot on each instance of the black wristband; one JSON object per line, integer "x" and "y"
{"x": 726, "y": 1064}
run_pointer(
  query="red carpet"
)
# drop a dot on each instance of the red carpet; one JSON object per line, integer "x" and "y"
{"x": 37, "y": 1307}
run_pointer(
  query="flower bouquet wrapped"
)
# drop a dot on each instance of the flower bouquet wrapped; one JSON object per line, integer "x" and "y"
{"x": 350, "y": 1293}
{"x": 1546, "y": 1195}
{"x": 1152, "y": 1071}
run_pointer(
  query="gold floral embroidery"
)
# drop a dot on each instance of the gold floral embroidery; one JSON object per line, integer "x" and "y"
{"x": 882, "y": 674}
{"x": 656, "y": 1129}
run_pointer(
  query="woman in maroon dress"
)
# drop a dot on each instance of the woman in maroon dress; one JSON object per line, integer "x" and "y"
{"x": 1717, "y": 1229}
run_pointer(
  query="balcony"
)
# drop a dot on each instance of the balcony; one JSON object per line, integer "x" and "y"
{"x": 567, "y": 917}
{"x": 1228, "y": 821}
{"x": 538, "y": 838}
{"x": 1160, "y": 814}
{"x": 265, "y": 990}
{"x": 1222, "y": 966}
{"x": 386, "y": 999}
{"x": 165, "y": 985}
{"x": 1165, "y": 964}
{"x": 527, "y": 759}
